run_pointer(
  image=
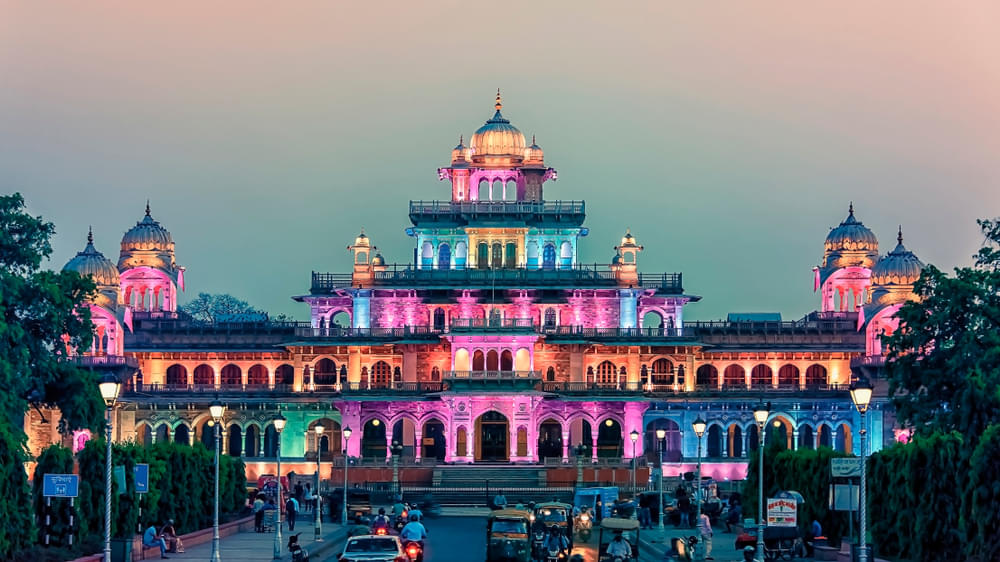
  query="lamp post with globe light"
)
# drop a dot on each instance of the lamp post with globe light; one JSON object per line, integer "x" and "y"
{"x": 760, "y": 415}
{"x": 660, "y": 435}
{"x": 698, "y": 426}
{"x": 634, "y": 436}
{"x": 397, "y": 450}
{"x": 318, "y": 526}
{"x": 861, "y": 395}
{"x": 279, "y": 425}
{"x": 109, "y": 387}
{"x": 216, "y": 409}
{"x": 347, "y": 461}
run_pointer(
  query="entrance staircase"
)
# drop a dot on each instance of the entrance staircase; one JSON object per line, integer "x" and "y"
{"x": 477, "y": 485}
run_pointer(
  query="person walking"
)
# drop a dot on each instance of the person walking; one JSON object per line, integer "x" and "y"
{"x": 705, "y": 529}
{"x": 258, "y": 514}
{"x": 307, "y": 499}
{"x": 291, "y": 510}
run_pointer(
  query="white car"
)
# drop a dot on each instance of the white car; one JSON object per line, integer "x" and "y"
{"x": 373, "y": 548}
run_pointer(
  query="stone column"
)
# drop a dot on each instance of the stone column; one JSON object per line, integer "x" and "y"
{"x": 565, "y": 445}
{"x": 418, "y": 437}
{"x": 388, "y": 443}
{"x": 594, "y": 430}
{"x": 795, "y": 440}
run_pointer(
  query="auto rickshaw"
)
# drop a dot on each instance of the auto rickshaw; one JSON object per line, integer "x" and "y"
{"x": 613, "y": 526}
{"x": 554, "y": 514}
{"x": 507, "y": 537}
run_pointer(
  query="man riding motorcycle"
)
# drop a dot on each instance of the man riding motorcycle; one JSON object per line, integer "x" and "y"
{"x": 381, "y": 522}
{"x": 618, "y": 548}
{"x": 556, "y": 542}
{"x": 414, "y": 531}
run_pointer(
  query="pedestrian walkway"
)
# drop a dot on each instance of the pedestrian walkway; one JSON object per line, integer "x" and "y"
{"x": 259, "y": 547}
{"x": 656, "y": 543}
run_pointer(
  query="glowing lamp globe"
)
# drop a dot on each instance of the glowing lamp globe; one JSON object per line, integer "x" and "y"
{"x": 661, "y": 433}
{"x": 861, "y": 394}
{"x": 760, "y": 414}
{"x": 319, "y": 429}
{"x": 699, "y": 426}
{"x": 279, "y": 422}
{"x": 216, "y": 409}
{"x": 347, "y": 432}
{"x": 634, "y": 436}
{"x": 109, "y": 387}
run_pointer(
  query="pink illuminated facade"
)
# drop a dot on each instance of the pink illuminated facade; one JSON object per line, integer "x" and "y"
{"x": 493, "y": 343}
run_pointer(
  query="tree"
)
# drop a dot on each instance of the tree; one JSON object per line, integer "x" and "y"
{"x": 210, "y": 308}
{"x": 41, "y": 321}
{"x": 944, "y": 360}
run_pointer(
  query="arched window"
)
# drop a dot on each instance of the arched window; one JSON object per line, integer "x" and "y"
{"x": 566, "y": 254}
{"x": 550, "y": 318}
{"x": 550, "y": 374}
{"x": 549, "y": 257}
{"x": 439, "y": 319}
{"x": 325, "y": 372}
{"x": 204, "y": 375}
{"x": 492, "y": 360}
{"x": 816, "y": 375}
{"x": 177, "y": 375}
{"x": 734, "y": 377}
{"x": 497, "y": 261}
{"x": 788, "y": 376}
{"x": 663, "y": 371}
{"x": 381, "y": 375}
{"x": 444, "y": 256}
{"x": 231, "y": 375}
{"x": 284, "y": 374}
{"x": 478, "y": 361}
{"x": 760, "y": 376}
{"x": 506, "y": 360}
{"x": 435, "y": 374}
{"x": 511, "y": 261}
{"x": 483, "y": 256}
{"x": 707, "y": 376}
{"x": 257, "y": 375}
{"x": 607, "y": 374}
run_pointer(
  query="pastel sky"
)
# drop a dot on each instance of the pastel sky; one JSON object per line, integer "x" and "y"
{"x": 729, "y": 136}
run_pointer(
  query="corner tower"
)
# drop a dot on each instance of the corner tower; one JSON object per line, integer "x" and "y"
{"x": 149, "y": 275}
{"x": 850, "y": 251}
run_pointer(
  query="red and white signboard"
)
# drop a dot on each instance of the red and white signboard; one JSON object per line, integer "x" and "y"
{"x": 782, "y": 512}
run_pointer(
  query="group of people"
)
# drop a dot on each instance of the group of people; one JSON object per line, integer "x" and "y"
{"x": 165, "y": 537}
{"x": 301, "y": 501}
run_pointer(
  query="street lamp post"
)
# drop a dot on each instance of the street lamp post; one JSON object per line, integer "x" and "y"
{"x": 660, "y": 434}
{"x": 318, "y": 527}
{"x": 760, "y": 416}
{"x": 279, "y": 425}
{"x": 347, "y": 461}
{"x": 861, "y": 394}
{"x": 634, "y": 436}
{"x": 580, "y": 450}
{"x": 397, "y": 450}
{"x": 109, "y": 387}
{"x": 699, "y": 426}
{"x": 216, "y": 409}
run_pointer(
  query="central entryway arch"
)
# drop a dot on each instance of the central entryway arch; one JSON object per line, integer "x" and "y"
{"x": 492, "y": 435}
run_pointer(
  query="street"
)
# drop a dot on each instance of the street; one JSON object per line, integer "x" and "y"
{"x": 461, "y": 539}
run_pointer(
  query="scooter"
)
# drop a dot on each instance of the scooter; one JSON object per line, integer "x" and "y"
{"x": 583, "y": 525}
{"x": 298, "y": 553}
{"x": 555, "y": 555}
{"x": 402, "y": 519}
{"x": 682, "y": 550}
{"x": 414, "y": 551}
{"x": 537, "y": 539}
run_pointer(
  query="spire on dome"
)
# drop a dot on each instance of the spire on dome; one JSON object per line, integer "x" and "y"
{"x": 899, "y": 236}
{"x": 147, "y": 207}
{"x": 499, "y": 103}
{"x": 90, "y": 235}
{"x": 850, "y": 209}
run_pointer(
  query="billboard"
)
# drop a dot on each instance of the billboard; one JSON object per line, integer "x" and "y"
{"x": 782, "y": 512}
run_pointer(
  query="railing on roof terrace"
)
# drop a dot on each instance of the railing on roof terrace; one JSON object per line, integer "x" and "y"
{"x": 442, "y": 208}
{"x": 492, "y": 375}
{"x": 618, "y": 333}
{"x": 599, "y": 275}
{"x": 492, "y": 324}
{"x": 308, "y": 331}
{"x": 105, "y": 361}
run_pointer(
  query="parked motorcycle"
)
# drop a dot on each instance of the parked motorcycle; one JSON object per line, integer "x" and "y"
{"x": 682, "y": 550}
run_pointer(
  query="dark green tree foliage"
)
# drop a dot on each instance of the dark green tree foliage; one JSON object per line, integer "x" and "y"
{"x": 37, "y": 309}
{"x": 944, "y": 360}
{"x": 54, "y": 459}
{"x": 207, "y": 307}
{"x": 915, "y": 498}
{"x": 181, "y": 484}
{"x": 773, "y": 444}
{"x": 981, "y": 502}
{"x": 17, "y": 531}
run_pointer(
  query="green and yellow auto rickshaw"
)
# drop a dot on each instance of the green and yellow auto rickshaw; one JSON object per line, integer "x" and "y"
{"x": 507, "y": 537}
{"x": 554, "y": 514}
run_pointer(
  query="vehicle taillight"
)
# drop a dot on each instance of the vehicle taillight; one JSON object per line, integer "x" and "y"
{"x": 404, "y": 515}
{"x": 412, "y": 551}
{"x": 380, "y": 531}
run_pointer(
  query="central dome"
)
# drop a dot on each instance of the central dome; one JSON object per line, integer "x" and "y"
{"x": 498, "y": 137}
{"x": 147, "y": 234}
{"x": 92, "y": 263}
{"x": 851, "y": 235}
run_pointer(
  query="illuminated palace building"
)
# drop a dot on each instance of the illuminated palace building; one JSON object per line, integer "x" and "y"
{"x": 495, "y": 344}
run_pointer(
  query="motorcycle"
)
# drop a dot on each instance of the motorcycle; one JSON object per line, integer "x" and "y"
{"x": 537, "y": 539}
{"x": 298, "y": 553}
{"x": 555, "y": 555}
{"x": 414, "y": 551}
{"x": 682, "y": 550}
{"x": 402, "y": 519}
{"x": 583, "y": 524}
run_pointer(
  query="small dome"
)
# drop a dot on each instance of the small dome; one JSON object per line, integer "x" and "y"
{"x": 628, "y": 240}
{"x": 498, "y": 137}
{"x": 362, "y": 240}
{"x": 534, "y": 152}
{"x": 147, "y": 235}
{"x": 617, "y": 260}
{"x": 851, "y": 235}
{"x": 898, "y": 267}
{"x": 92, "y": 263}
{"x": 458, "y": 154}
{"x": 378, "y": 259}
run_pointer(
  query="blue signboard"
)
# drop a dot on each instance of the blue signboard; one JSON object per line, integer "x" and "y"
{"x": 141, "y": 478}
{"x": 60, "y": 485}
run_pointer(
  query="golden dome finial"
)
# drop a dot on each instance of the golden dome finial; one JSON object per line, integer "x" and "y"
{"x": 899, "y": 235}
{"x": 147, "y": 207}
{"x": 850, "y": 208}
{"x": 499, "y": 103}
{"x": 90, "y": 235}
